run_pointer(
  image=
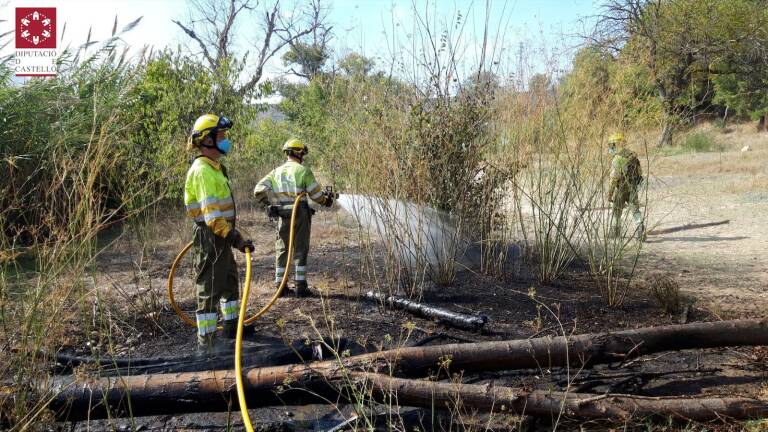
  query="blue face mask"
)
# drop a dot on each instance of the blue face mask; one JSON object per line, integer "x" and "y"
{"x": 224, "y": 146}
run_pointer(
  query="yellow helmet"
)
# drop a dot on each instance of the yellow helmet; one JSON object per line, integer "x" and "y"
{"x": 293, "y": 145}
{"x": 207, "y": 123}
{"x": 616, "y": 138}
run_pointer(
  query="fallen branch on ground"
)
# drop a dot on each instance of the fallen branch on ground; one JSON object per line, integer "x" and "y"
{"x": 486, "y": 398}
{"x": 185, "y": 392}
{"x": 454, "y": 319}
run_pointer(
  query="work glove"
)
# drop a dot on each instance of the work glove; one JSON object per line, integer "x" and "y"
{"x": 237, "y": 241}
{"x": 328, "y": 200}
{"x": 273, "y": 211}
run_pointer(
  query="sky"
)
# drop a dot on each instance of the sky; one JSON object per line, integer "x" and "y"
{"x": 380, "y": 29}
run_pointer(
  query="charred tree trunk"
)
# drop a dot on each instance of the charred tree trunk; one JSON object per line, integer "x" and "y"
{"x": 761, "y": 124}
{"x": 207, "y": 391}
{"x": 453, "y": 319}
{"x": 489, "y": 398}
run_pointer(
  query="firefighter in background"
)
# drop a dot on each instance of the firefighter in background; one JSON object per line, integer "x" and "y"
{"x": 625, "y": 179}
{"x": 209, "y": 202}
{"x": 279, "y": 189}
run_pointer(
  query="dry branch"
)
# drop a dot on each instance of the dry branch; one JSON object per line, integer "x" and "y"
{"x": 170, "y": 393}
{"x": 454, "y": 319}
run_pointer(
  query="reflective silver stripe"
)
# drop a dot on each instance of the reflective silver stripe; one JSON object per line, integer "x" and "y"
{"x": 206, "y": 323}
{"x": 299, "y": 277}
{"x": 218, "y": 214}
{"x": 279, "y": 270}
{"x": 202, "y": 330}
{"x": 312, "y": 186}
{"x": 208, "y": 201}
{"x": 301, "y": 269}
{"x": 230, "y": 309}
{"x": 278, "y": 279}
{"x": 317, "y": 195}
{"x": 293, "y": 190}
{"x": 230, "y": 304}
{"x": 213, "y": 200}
{"x": 199, "y": 219}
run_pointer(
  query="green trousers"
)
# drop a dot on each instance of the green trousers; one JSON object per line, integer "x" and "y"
{"x": 302, "y": 230}
{"x": 622, "y": 199}
{"x": 216, "y": 283}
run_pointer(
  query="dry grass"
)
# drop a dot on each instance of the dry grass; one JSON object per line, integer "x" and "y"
{"x": 730, "y": 161}
{"x": 666, "y": 292}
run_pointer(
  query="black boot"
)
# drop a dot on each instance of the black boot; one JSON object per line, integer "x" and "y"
{"x": 302, "y": 290}
{"x": 230, "y": 330}
{"x": 285, "y": 291}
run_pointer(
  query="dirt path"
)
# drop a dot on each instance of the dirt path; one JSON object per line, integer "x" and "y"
{"x": 725, "y": 266}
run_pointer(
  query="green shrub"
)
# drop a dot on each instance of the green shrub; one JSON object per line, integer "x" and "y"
{"x": 700, "y": 142}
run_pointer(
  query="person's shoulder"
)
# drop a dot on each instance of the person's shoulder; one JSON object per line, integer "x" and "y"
{"x": 196, "y": 167}
{"x": 627, "y": 153}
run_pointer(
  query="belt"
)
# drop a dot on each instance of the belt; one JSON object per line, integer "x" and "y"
{"x": 302, "y": 204}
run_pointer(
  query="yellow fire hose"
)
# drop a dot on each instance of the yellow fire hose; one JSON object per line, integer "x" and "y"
{"x": 241, "y": 322}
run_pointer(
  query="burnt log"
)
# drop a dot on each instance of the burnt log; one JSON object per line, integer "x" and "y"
{"x": 453, "y": 319}
{"x": 490, "y": 398}
{"x": 199, "y": 391}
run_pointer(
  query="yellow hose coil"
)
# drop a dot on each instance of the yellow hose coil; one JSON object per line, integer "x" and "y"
{"x": 263, "y": 310}
{"x": 243, "y": 307}
{"x": 239, "y": 345}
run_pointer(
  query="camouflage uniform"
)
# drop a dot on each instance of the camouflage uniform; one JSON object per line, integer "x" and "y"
{"x": 625, "y": 178}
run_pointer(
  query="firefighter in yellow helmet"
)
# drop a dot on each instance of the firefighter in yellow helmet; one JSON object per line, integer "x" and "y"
{"x": 280, "y": 188}
{"x": 209, "y": 202}
{"x": 624, "y": 182}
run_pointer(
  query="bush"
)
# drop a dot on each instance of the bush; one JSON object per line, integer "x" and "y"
{"x": 700, "y": 142}
{"x": 666, "y": 292}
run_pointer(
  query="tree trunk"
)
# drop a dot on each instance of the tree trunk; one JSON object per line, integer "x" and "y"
{"x": 487, "y": 398}
{"x": 666, "y": 135}
{"x": 761, "y": 124}
{"x": 212, "y": 390}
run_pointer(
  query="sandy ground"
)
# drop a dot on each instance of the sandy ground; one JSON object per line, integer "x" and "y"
{"x": 726, "y": 266}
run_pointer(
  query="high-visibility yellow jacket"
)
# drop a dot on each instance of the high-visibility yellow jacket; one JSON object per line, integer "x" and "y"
{"x": 285, "y": 182}
{"x": 207, "y": 196}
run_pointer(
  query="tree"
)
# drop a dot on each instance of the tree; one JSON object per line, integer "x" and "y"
{"x": 482, "y": 83}
{"x": 678, "y": 41}
{"x": 212, "y": 25}
{"x": 742, "y": 82}
{"x": 356, "y": 65}
{"x": 309, "y": 52}
{"x": 745, "y": 95}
